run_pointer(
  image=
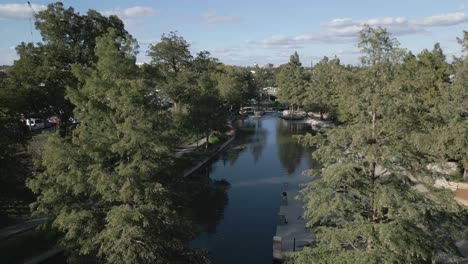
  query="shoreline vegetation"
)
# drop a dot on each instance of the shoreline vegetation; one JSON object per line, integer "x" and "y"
{"x": 110, "y": 179}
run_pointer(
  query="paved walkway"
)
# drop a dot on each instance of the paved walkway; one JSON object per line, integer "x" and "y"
{"x": 21, "y": 227}
{"x": 187, "y": 147}
{"x": 294, "y": 234}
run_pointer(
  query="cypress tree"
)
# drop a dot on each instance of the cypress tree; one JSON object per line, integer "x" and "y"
{"x": 363, "y": 208}
{"x": 291, "y": 81}
{"x": 108, "y": 189}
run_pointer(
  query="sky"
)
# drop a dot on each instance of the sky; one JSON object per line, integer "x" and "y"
{"x": 247, "y": 32}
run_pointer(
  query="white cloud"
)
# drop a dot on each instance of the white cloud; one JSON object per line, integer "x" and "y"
{"x": 131, "y": 16}
{"x": 227, "y": 50}
{"x": 443, "y": 20}
{"x": 18, "y": 11}
{"x": 130, "y": 12}
{"x": 212, "y": 17}
{"x": 341, "y": 30}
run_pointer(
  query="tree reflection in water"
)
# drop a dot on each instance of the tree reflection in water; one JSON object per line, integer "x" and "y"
{"x": 289, "y": 150}
{"x": 246, "y": 134}
{"x": 208, "y": 203}
{"x": 258, "y": 140}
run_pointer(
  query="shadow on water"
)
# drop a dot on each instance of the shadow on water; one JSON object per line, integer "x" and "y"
{"x": 208, "y": 206}
{"x": 236, "y": 198}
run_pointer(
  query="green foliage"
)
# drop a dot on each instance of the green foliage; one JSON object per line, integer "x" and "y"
{"x": 264, "y": 77}
{"x": 173, "y": 59}
{"x": 291, "y": 81}
{"x": 171, "y": 53}
{"x": 13, "y": 137}
{"x": 322, "y": 89}
{"x": 456, "y": 175}
{"x": 206, "y": 113}
{"x": 363, "y": 208}
{"x": 453, "y": 134}
{"x": 42, "y": 73}
{"x": 236, "y": 86}
{"x": 109, "y": 190}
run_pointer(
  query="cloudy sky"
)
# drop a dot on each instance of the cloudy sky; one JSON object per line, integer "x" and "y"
{"x": 243, "y": 32}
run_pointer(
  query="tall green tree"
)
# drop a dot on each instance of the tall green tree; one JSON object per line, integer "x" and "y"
{"x": 43, "y": 71}
{"x": 322, "y": 87}
{"x": 109, "y": 189}
{"x": 452, "y": 131}
{"x": 264, "y": 77}
{"x": 206, "y": 111}
{"x": 291, "y": 81}
{"x": 236, "y": 86}
{"x": 363, "y": 208}
{"x": 172, "y": 56}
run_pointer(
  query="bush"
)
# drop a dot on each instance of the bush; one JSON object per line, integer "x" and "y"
{"x": 456, "y": 175}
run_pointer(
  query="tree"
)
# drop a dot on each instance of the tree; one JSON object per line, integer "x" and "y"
{"x": 236, "y": 86}
{"x": 321, "y": 89}
{"x": 109, "y": 189}
{"x": 264, "y": 77}
{"x": 172, "y": 56}
{"x": 15, "y": 164}
{"x": 43, "y": 71}
{"x": 206, "y": 110}
{"x": 291, "y": 81}
{"x": 452, "y": 132}
{"x": 363, "y": 208}
{"x": 172, "y": 53}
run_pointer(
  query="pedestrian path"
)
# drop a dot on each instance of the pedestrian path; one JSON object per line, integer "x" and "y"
{"x": 291, "y": 231}
{"x": 187, "y": 147}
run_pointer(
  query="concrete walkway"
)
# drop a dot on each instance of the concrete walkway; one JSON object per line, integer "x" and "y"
{"x": 293, "y": 233}
{"x": 21, "y": 227}
{"x": 204, "y": 161}
{"x": 187, "y": 147}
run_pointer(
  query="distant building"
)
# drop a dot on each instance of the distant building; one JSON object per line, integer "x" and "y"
{"x": 268, "y": 66}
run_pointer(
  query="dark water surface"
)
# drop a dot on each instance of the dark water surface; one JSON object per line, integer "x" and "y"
{"x": 237, "y": 219}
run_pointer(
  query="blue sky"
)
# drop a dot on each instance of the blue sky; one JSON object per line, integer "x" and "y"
{"x": 246, "y": 32}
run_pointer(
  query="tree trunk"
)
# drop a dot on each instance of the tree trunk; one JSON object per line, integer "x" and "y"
{"x": 372, "y": 167}
{"x": 207, "y": 140}
{"x": 63, "y": 124}
{"x": 321, "y": 115}
{"x": 465, "y": 173}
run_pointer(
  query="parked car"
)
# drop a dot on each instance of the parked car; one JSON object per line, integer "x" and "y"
{"x": 35, "y": 123}
{"x": 53, "y": 120}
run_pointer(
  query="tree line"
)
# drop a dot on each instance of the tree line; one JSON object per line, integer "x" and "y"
{"x": 110, "y": 186}
{"x": 374, "y": 200}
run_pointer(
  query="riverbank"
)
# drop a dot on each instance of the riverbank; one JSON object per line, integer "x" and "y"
{"x": 210, "y": 156}
{"x": 236, "y": 224}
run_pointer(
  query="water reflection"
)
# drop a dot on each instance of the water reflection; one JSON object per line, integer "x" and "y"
{"x": 208, "y": 205}
{"x": 289, "y": 151}
{"x": 236, "y": 208}
{"x": 258, "y": 140}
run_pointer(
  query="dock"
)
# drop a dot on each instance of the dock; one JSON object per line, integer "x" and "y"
{"x": 291, "y": 231}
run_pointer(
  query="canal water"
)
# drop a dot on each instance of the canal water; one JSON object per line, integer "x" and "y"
{"x": 236, "y": 220}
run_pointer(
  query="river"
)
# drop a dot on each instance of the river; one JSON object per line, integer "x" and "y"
{"x": 237, "y": 219}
